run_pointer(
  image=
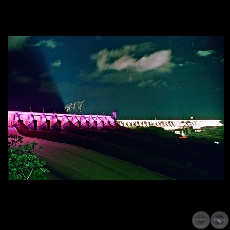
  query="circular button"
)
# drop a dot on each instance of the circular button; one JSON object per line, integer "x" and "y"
{"x": 219, "y": 220}
{"x": 201, "y": 220}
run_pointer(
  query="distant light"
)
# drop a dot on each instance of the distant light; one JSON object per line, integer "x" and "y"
{"x": 191, "y": 118}
{"x": 217, "y": 142}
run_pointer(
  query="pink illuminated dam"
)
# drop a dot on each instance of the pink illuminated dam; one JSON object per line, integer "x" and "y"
{"x": 46, "y": 121}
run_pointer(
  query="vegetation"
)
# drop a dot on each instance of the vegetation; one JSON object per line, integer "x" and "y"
{"x": 209, "y": 134}
{"x": 23, "y": 163}
{"x": 206, "y": 133}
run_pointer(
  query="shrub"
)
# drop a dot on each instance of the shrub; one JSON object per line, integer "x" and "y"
{"x": 23, "y": 163}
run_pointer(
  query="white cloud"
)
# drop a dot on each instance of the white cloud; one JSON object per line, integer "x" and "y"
{"x": 122, "y": 59}
{"x": 48, "y": 43}
{"x": 186, "y": 63}
{"x": 122, "y": 63}
{"x": 57, "y": 63}
{"x": 103, "y": 56}
{"x": 159, "y": 61}
{"x": 17, "y": 42}
{"x": 204, "y": 53}
{"x": 132, "y": 64}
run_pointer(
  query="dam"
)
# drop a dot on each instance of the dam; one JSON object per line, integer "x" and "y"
{"x": 58, "y": 122}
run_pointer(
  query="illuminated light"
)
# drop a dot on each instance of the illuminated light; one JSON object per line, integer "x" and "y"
{"x": 217, "y": 142}
{"x": 114, "y": 113}
{"x": 170, "y": 124}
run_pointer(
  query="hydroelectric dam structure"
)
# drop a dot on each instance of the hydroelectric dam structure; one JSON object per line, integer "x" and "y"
{"x": 170, "y": 124}
{"x": 59, "y": 122}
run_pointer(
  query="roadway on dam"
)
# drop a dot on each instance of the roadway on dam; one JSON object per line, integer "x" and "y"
{"x": 68, "y": 162}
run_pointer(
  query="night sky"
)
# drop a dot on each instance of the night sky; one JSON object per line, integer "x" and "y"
{"x": 142, "y": 77}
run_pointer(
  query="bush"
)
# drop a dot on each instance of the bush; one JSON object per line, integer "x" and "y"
{"x": 23, "y": 163}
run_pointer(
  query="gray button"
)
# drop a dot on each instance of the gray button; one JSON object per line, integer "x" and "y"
{"x": 201, "y": 220}
{"x": 219, "y": 220}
